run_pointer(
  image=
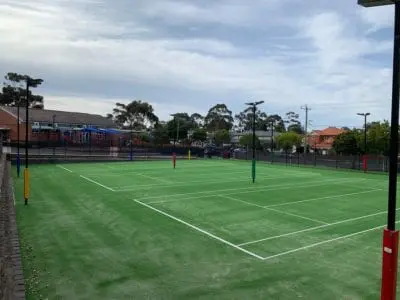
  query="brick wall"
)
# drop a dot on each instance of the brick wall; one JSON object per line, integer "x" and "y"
{"x": 11, "y": 276}
{"x": 9, "y": 121}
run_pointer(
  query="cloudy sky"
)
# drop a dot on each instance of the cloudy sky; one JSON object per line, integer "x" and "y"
{"x": 185, "y": 56}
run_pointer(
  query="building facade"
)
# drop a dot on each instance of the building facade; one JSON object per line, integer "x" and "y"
{"x": 52, "y": 125}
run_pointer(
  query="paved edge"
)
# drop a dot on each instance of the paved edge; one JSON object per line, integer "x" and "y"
{"x": 12, "y": 284}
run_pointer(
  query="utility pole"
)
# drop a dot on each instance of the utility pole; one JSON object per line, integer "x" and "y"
{"x": 307, "y": 109}
{"x": 272, "y": 124}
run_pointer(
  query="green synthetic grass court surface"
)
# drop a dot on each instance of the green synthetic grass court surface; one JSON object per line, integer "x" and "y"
{"x": 142, "y": 230}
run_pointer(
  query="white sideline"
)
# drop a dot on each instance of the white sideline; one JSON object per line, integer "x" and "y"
{"x": 324, "y": 242}
{"x": 271, "y": 209}
{"x": 64, "y": 168}
{"x": 199, "y": 229}
{"x": 322, "y": 198}
{"x": 312, "y": 228}
{"x": 95, "y": 182}
{"x": 244, "y": 190}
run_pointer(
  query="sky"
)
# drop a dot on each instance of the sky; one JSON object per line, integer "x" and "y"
{"x": 186, "y": 56}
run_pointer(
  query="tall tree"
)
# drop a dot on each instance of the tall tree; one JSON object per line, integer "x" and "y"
{"x": 247, "y": 141}
{"x": 293, "y": 122}
{"x": 219, "y": 117}
{"x": 199, "y": 135}
{"x": 14, "y": 91}
{"x": 222, "y": 137}
{"x": 378, "y": 137}
{"x": 245, "y": 120}
{"x": 160, "y": 134}
{"x": 348, "y": 143}
{"x": 197, "y": 120}
{"x": 288, "y": 140}
{"x": 279, "y": 124}
{"x": 181, "y": 122}
{"x": 136, "y": 115}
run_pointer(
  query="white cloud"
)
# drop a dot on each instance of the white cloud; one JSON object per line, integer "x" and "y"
{"x": 378, "y": 17}
{"x": 103, "y": 106}
{"x": 326, "y": 66}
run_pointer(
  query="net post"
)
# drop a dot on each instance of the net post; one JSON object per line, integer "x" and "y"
{"x": 174, "y": 159}
{"x": 389, "y": 264}
{"x": 365, "y": 163}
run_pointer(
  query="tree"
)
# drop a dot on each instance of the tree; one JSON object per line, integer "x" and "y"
{"x": 279, "y": 124}
{"x": 294, "y": 125}
{"x": 288, "y": 140}
{"x": 297, "y": 128}
{"x": 222, "y": 137}
{"x": 245, "y": 120}
{"x": 247, "y": 141}
{"x": 182, "y": 121}
{"x": 160, "y": 134}
{"x": 378, "y": 137}
{"x": 135, "y": 115}
{"x": 14, "y": 91}
{"x": 197, "y": 120}
{"x": 199, "y": 135}
{"x": 219, "y": 117}
{"x": 347, "y": 143}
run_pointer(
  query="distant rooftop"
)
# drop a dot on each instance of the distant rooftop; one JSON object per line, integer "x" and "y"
{"x": 65, "y": 117}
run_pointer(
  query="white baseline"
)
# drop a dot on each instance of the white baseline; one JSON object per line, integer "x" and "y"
{"x": 199, "y": 229}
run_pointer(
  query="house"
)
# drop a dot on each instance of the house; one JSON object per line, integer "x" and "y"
{"x": 53, "y": 125}
{"x": 263, "y": 136}
{"x": 322, "y": 140}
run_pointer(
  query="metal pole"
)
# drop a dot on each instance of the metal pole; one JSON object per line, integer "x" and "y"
{"x": 254, "y": 143}
{"x": 26, "y": 175}
{"x": 394, "y": 132}
{"x": 54, "y": 146}
{"x": 131, "y": 143}
{"x": 365, "y": 134}
{"x": 177, "y": 129}
{"x": 26, "y": 123}
{"x": 272, "y": 140}
{"x": 18, "y": 142}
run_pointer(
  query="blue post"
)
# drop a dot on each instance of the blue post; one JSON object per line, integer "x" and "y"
{"x": 18, "y": 165}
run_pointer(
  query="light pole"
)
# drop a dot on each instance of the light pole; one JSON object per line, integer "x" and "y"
{"x": 54, "y": 130}
{"x": 253, "y": 162}
{"x": 365, "y": 115}
{"x": 26, "y": 171}
{"x": 391, "y": 235}
{"x": 131, "y": 143}
{"x": 18, "y": 141}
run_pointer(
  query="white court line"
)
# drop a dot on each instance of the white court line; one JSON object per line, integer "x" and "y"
{"x": 95, "y": 182}
{"x": 271, "y": 209}
{"x": 312, "y": 228}
{"x": 66, "y": 169}
{"x": 322, "y": 198}
{"x": 199, "y": 229}
{"x": 214, "y": 193}
{"x": 154, "y": 178}
{"x": 193, "y": 182}
{"x": 324, "y": 242}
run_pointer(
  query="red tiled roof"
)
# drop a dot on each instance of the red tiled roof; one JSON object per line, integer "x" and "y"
{"x": 331, "y": 131}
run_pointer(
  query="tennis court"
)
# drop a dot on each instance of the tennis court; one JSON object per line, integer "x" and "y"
{"x": 143, "y": 230}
